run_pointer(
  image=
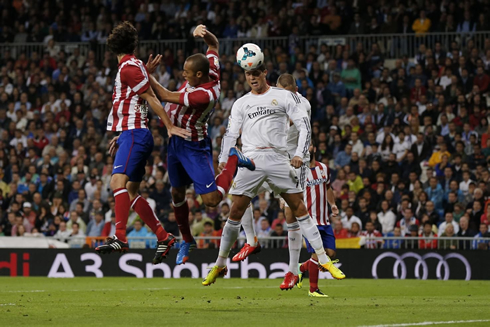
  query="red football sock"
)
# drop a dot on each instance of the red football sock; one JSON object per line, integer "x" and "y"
{"x": 313, "y": 272}
{"x": 121, "y": 198}
{"x": 143, "y": 209}
{"x": 304, "y": 266}
{"x": 224, "y": 179}
{"x": 181, "y": 211}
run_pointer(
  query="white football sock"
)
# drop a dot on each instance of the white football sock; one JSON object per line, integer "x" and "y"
{"x": 295, "y": 241}
{"x": 310, "y": 231}
{"x": 228, "y": 238}
{"x": 248, "y": 226}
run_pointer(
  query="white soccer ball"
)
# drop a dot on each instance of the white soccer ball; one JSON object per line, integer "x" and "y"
{"x": 249, "y": 56}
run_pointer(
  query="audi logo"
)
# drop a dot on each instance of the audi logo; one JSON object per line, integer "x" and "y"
{"x": 399, "y": 262}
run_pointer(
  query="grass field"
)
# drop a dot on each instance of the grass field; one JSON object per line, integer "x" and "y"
{"x": 253, "y": 302}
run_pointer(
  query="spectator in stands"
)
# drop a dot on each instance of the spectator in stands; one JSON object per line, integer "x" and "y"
{"x": 138, "y": 231}
{"x": 339, "y": 231}
{"x": 370, "y": 232}
{"x": 279, "y": 232}
{"x": 451, "y": 244}
{"x": 394, "y": 244}
{"x": 208, "y": 232}
{"x": 483, "y": 233}
{"x": 264, "y": 231}
{"x": 428, "y": 240}
{"x": 349, "y": 219}
{"x": 386, "y": 218}
{"x": 96, "y": 225}
{"x": 63, "y": 233}
{"x": 354, "y": 231}
{"x": 407, "y": 221}
{"x": 74, "y": 218}
{"x": 465, "y": 231}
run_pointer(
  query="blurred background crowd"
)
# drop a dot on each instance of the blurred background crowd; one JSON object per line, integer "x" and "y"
{"x": 407, "y": 139}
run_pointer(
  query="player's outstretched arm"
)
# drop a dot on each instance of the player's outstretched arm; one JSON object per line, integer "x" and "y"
{"x": 302, "y": 123}
{"x": 210, "y": 39}
{"x": 162, "y": 93}
{"x": 152, "y": 100}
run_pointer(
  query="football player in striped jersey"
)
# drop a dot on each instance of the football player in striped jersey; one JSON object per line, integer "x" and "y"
{"x": 190, "y": 161}
{"x": 132, "y": 148}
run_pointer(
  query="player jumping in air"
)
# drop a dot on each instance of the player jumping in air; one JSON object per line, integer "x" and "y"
{"x": 317, "y": 193}
{"x": 263, "y": 116}
{"x": 285, "y": 81}
{"x": 132, "y": 148}
{"x": 191, "y": 160}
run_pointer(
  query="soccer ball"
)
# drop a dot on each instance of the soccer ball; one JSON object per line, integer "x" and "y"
{"x": 249, "y": 56}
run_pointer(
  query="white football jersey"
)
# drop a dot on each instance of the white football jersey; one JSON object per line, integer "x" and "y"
{"x": 293, "y": 133}
{"x": 264, "y": 123}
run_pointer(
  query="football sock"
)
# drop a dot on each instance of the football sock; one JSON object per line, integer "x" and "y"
{"x": 304, "y": 266}
{"x": 313, "y": 273}
{"x": 224, "y": 179}
{"x": 228, "y": 238}
{"x": 295, "y": 241}
{"x": 248, "y": 226}
{"x": 310, "y": 231}
{"x": 121, "y": 198}
{"x": 146, "y": 213}
{"x": 182, "y": 216}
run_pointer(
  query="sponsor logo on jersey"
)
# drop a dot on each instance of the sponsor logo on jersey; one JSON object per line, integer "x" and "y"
{"x": 141, "y": 108}
{"x": 261, "y": 111}
{"x": 316, "y": 182}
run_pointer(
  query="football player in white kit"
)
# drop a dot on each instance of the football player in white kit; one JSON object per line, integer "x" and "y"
{"x": 285, "y": 81}
{"x": 263, "y": 116}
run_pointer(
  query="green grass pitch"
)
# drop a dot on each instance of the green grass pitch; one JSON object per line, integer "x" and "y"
{"x": 237, "y": 302}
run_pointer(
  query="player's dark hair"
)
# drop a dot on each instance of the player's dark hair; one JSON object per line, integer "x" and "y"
{"x": 123, "y": 39}
{"x": 199, "y": 63}
{"x": 287, "y": 81}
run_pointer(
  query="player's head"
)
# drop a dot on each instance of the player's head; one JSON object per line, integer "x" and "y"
{"x": 286, "y": 81}
{"x": 196, "y": 69}
{"x": 123, "y": 39}
{"x": 256, "y": 79}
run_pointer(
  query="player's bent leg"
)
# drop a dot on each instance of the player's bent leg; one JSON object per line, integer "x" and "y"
{"x": 181, "y": 210}
{"x": 146, "y": 213}
{"x": 212, "y": 199}
{"x": 252, "y": 246}
{"x": 224, "y": 179}
{"x": 228, "y": 238}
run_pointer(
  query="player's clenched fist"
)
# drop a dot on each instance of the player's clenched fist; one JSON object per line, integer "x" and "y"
{"x": 296, "y": 162}
{"x": 200, "y": 31}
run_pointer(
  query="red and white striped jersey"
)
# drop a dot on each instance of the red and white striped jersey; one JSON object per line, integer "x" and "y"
{"x": 197, "y": 103}
{"x": 129, "y": 110}
{"x": 317, "y": 184}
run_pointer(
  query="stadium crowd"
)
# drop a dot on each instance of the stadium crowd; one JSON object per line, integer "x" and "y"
{"x": 92, "y": 21}
{"x": 408, "y": 142}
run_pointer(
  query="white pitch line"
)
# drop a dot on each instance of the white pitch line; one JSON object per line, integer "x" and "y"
{"x": 7, "y": 304}
{"x": 427, "y": 323}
